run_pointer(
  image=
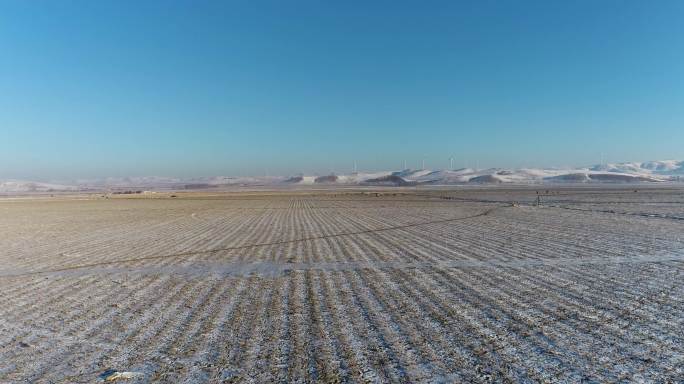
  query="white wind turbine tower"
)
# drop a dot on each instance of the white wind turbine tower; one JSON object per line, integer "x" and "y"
{"x": 451, "y": 163}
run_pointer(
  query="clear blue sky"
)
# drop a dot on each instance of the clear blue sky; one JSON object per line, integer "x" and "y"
{"x": 115, "y": 88}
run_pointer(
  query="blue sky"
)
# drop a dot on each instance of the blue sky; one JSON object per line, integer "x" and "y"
{"x": 117, "y": 88}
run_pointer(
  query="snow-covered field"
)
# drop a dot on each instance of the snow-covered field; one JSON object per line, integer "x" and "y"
{"x": 393, "y": 285}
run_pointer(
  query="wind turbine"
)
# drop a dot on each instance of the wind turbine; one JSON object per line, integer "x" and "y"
{"x": 451, "y": 163}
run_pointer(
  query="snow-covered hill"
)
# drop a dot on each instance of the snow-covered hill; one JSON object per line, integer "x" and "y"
{"x": 633, "y": 172}
{"x": 17, "y": 186}
{"x": 646, "y": 172}
{"x": 666, "y": 167}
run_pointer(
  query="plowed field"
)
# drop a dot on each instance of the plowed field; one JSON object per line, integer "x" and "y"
{"x": 344, "y": 286}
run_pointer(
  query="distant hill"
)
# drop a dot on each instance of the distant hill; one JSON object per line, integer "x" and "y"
{"x": 666, "y": 167}
{"x": 14, "y": 186}
{"x": 631, "y": 172}
{"x": 389, "y": 180}
{"x": 330, "y": 179}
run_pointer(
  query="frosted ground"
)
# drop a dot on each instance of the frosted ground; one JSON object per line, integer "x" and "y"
{"x": 393, "y": 285}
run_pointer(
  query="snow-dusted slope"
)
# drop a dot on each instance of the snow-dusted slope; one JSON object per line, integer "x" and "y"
{"x": 611, "y": 173}
{"x": 663, "y": 167}
{"x": 16, "y": 186}
{"x": 632, "y": 172}
{"x": 652, "y": 171}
